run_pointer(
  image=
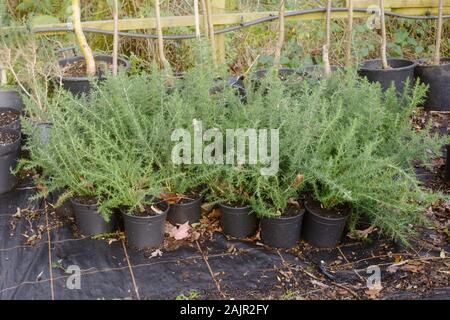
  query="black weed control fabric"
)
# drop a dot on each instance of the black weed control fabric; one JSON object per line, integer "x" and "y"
{"x": 38, "y": 254}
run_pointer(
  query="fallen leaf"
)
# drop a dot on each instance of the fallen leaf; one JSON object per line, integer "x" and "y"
{"x": 156, "y": 253}
{"x": 180, "y": 232}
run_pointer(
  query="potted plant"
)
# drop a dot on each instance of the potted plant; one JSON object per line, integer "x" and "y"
{"x": 387, "y": 72}
{"x": 76, "y": 71}
{"x": 228, "y": 188}
{"x": 281, "y": 213}
{"x": 356, "y": 149}
{"x": 436, "y": 73}
{"x": 9, "y": 154}
{"x": 183, "y": 190}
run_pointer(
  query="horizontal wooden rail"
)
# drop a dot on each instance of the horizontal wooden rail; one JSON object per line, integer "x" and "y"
{"x": 219, "y": 19}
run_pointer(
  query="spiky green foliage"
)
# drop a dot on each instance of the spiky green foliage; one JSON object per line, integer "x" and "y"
{"x": 355, "y": 145}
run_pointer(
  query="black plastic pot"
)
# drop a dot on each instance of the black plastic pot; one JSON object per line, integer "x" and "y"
{"x": 400, "y": 71}
{"x": 438, "y": 80}
{"x": 447, "y": 164}
{"x": 180, "y": 213}
{"x": 315, "y": 72}
{"x": 89, "y": 220}
{"x": 10, "y": 98}
{"x": 238, "y": 222}
{"x": 235, "y": 82}
{"x": 13, "y": 125}
{"x": 282, "y": 231}
{"x": 321, "y": 231}
{"x": 9, "y": 154}
{"x": 144, "y": 232}
{"x": 79, "y": 85}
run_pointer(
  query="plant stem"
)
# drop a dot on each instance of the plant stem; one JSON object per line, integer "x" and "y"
{"x": 326, "y": 47}
{"x": 348, "y": 54}
{"x": 437, "y": 52}
{"x": 116, "y": 36}
{"x": 81, "y": 38}
{"x": 280, "y": 41}
{"x": 383, "y": 37}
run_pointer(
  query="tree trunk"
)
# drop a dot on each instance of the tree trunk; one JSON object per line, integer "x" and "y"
{"x": 211, "y": 30}
{"x": 81, "y": 39}
{"x": 437, "y": 52}
{"x": 162, "y": 56}
{"x": 348, "y": 53}
{"x": 280, "y": 41}
{"x": 383, "y": 37}
{"x": 326, "y": 47}
{"x": 116, "y": 36}
{"x": 197, "y": 20}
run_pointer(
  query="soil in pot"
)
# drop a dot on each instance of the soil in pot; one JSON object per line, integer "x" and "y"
{"x": 437, "y": 77}
{"x": 282, "y": 231}
{"x": 9, "y": 153}
{"x": 9, "y": 118}
{"x": 10, "y": 98}
{"x": 400, "y": 70}
{"x": 184, "y": 208}
{"x": 145, "y": 228}
{"x": 238, "y": 221}
{"x": 88, "y": 218}
{"x": 74, "y": 77}
{"x": 323, "y": 227}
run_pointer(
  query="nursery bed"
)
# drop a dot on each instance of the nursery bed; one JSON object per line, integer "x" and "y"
{"x": 37, "y": 246}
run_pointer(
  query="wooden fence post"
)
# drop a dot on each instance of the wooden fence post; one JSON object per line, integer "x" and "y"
{"x": 219, "y": 6}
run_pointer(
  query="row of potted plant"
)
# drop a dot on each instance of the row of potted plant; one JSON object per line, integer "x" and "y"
{"x": 345, "y": 148}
